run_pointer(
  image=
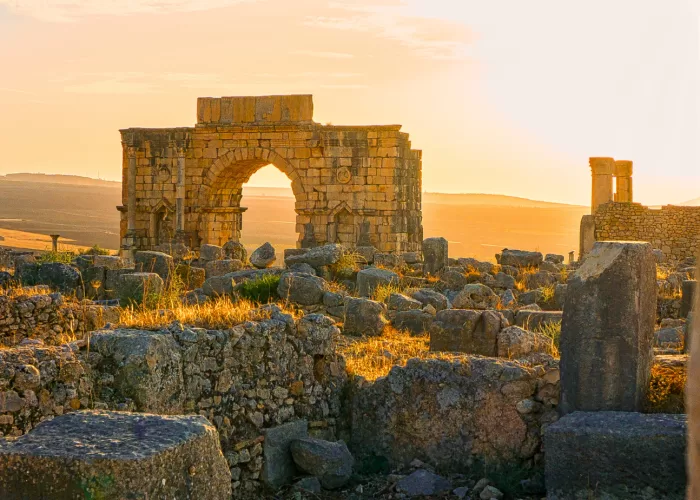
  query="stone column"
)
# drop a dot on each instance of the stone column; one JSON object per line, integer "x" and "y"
{"x": 602, "y": 170}
{"x": 586, "y": 236}
{"x": 131, "y": 192}
{"x": 692, "y": 404}
{"x": 180, "y": 192}
{"x": 623, "y": 174}
{"x": 54, "y": 242}
{"x": 607, "y": 332}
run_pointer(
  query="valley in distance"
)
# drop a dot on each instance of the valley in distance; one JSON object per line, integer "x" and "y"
{"x": 83, "y": 211}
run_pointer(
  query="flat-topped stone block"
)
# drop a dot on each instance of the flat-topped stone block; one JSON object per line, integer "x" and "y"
{"x": 101, "y": 454}
{"x": 623, "y": 455}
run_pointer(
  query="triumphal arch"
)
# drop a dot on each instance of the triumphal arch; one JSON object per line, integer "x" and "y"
{"x": 355, "y": 185}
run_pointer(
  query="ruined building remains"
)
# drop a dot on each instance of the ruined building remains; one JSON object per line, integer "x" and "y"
{"x": 675, "y": 230}
{"x": 185, "y": 184}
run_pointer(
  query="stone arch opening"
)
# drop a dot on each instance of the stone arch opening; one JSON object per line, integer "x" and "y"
{"x": 268, "y": 215}
{"x": 222, "y": 191}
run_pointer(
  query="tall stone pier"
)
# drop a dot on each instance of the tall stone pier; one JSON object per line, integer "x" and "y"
{"x": 692, "y": 404}
{"x": 602, "y": 171}
{"x": 608, "y": 329}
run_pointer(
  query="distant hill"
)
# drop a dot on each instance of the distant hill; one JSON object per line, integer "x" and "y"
{"x": 73, "y": 180}
{"x": 692, "y": 203}
{"x": 499, "y": 200}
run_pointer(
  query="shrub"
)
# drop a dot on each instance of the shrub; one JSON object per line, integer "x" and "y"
{"x": 261, "y": 290}
{"x": 347, "y": 265}
{"x": 94, "y": 250}
{"x": 383, "y": 290}
{"x": 61, "y": 257}
{"x": 666, "y": 389}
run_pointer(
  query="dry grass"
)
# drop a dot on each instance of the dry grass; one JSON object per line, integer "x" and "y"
{"x": 373, "y": 357}
{"x": 17, "y": 291}
{"x": 383, "y": 291}
{"x": 662, "y": 273}
{"x": 666, "y": 389}
{"x": 221, "y": 313}
{"x": 521, "y": 285}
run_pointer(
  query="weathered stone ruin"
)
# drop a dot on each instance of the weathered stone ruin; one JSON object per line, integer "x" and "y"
{"x": 184, "y": 185}
{"x": 674, "y": 230}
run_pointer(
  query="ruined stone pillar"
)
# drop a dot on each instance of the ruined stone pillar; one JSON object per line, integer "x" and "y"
{"x": 607, "y": 329}
{"x": 623, "y": 174}
{"x": 602, "y": 170}
{"x": 692, "y": 404}
{"x": 586, "y": 236}
{"x": 54, "y": 242}
{"x": 131, "y": 192}
{"x": 180, "y": 192}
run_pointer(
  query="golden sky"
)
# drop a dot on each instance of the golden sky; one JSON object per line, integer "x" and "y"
{"x": 505, "y": 96}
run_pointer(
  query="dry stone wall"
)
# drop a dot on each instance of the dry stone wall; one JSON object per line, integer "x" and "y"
{"x": 673, "y": 229}
{"x": 245, "y": 380}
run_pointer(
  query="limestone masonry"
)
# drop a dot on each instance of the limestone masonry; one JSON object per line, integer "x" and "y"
{"x": 185, "y": 184}
{"x": 675, "y": 230}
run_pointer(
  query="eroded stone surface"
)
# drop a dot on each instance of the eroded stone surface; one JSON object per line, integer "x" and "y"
{"x": 100, "y": 454}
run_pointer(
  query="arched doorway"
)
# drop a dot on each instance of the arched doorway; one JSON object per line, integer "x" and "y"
{"x": 268, "y": 216}
{"x": 222, "y": 190}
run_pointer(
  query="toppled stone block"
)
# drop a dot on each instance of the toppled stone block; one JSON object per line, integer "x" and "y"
{"x": 423, "y": 483}
{"x": 623, "y": 454}
{"x": 279, "y": 468}
{"x": 155, "y": 262}
{"x": 434, "y": 255}
{"x": 464, "y": 330}
{"x": 61, "y": 277}
{"x": 317, "y": 257}
{"x": 301, "y": 288}
{"x": 221, "y": 267}
{"x": 108, "y": 261}
{"x": 372, "y": 277}
{"x": 263, "y": 256}
{"x": 608, "y": 329}
{"x": 364, "y": 317}
{"x": 235, "y": 251}
{"x": 100, "y": 454}
{"x": 520, "y": 258}
{"x": 211, "y": 252}
{"x": 400, "y": 302}
{"x": 475, "y": 296}
{"x": 135, "y": 287}
{"x": 414, "y": 321}
{"x": 330, "y": 462}
{"x": 427, "y": 296}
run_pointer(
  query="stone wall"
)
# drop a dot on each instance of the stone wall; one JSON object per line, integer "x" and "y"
{"x": 244, "y": 379}
{"x": 673, "y": 229}
{"x": 453, "y": 413}
{"x": 48, "y": 317}
{"x": 342, "y": 176}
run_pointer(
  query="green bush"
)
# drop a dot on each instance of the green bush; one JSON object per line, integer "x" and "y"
{"x": 55, "y": 257}
{"x": 95, "y": 250}
{"x": 262, "y": 290}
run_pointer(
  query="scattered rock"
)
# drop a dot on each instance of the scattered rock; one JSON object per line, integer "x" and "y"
{"x": 364, "y": 317}
{"x": 263, "y": 256}
{"x": 423, "y": 483}
{"x": 330, "y": 462}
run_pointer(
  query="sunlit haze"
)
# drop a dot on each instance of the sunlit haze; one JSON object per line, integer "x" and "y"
{"x": 507, "y": 97}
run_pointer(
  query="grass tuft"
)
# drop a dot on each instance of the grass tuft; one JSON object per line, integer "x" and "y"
{"x": 373, "y": 357}
{"x": 262, "y": 290}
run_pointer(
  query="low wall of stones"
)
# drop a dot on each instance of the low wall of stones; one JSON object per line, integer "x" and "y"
{"x": 47, "y": 317}
{"x": 675, "y": 230}
{"x": 453, "y": 413}
{"x": 245, "y": 379}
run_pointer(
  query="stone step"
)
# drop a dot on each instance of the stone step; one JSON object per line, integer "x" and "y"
{"x": 623, "y": 454}
{"x": 101, "y": 454}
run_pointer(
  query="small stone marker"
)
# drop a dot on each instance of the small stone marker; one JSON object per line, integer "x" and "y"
{"x": 434, "y": 255}
{"x": 608, "y": 329}
{"x": 101, "y": 454}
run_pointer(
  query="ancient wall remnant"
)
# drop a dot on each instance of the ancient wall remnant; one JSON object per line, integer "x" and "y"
{"x": 185, "y": 184}
{"x": 675, "y": 230}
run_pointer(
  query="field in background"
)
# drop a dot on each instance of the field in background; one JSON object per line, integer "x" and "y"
{"x": 475, "y": 225}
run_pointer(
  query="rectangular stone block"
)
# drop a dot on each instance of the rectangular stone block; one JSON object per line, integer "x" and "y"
{"x": 255, "y": 109}
{"x": 622, "y": 454}
{"x": 608, "y": 329}
{"x": 688, "y": 290}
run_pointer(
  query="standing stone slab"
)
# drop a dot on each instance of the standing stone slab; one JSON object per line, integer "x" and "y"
{"x": 688, "y": 290}
{"x": 624, "y": 454}
{"x": 434, "y": 255}
{"x": 100, "y": 454}
{"x": 155, "y": 262}
{"x": 279, "y": 468}
{"x": 608, "y": 329}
